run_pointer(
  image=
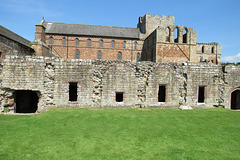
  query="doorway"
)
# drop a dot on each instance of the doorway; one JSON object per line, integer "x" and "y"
{"x": 235, "y": 100}
{"x": 26, "y": 101}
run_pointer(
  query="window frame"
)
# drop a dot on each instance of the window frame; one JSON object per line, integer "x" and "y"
{"x": 124, "y": 44}
{"x": 101, "y": 43}
{"x": 119, "y": 56}
{"x": 135, "y": 45}
{"x": 51, "y": 40}
{"x": 113, "y": 44}
{"x": 77, "y": 42}
{"x": 89, "y": 42}
{"x": 99, "y": 55}
{"x": 64, "y": 41}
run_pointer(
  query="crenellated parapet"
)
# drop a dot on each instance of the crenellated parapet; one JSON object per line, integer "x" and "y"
{"x": 149, "y": 23}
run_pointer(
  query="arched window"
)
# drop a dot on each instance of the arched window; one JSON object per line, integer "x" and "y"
{"x": 119, "y": 56}
{"x": 99, "y": 54}
{"x": 135, "y": 45}
{"x": 101, "y": 43}
{"x": 203, "y": 48}
{"x": 113, "y": 44}
{"x": 89, "y": 42}
{"x": 167, "y": 34}
{"x": 176, "y": 35}
{"x": 212, "y": 49}
{"x": 77, "y": 41}
{"x": 185, "y": 35}
{"x": 51, "y": 40}
{"x": 124, "y": 44}
{"x": 77, "y": 54}
{"x": 138, "y": 57}
{"x": 64, "y": 41}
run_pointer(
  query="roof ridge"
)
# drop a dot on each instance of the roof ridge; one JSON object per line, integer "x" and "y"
{"x": 89, "y": 25}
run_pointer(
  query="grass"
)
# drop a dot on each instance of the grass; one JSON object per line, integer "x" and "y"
{"x": 121, "y": 134}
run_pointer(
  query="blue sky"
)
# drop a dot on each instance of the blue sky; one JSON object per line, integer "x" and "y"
{"x": 213, "y": 20}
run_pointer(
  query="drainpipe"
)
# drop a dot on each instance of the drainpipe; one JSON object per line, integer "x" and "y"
{"x": 131, "y": 50}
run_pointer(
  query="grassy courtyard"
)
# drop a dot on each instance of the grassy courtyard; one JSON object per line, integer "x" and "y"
{"x": 121, "y": 134}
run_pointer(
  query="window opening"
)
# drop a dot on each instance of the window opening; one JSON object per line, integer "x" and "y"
{"x": 89, "y": 43}
{"x": 201, "y": 95}
{"x": 64, "y": 41}
{"x": 119, "y": 96}
{"x": 77, "y": 41}
{"x": 119, "y": 56}
{"x": 101, "y": 43}
{"x": 77, "y": 54}
{"x": 99, "y": 54}
{"x": 113, "y": 44}
{"x": 73, "y": 91}
{"x": 212, "y": 49}
{"x": 124, "y": 44}
{"x": 176, "y": 35}
{"x": 51, "y": 40}
{"x": 203, "y": 48}
{"x": 135, "y": 45}
{"x": 162, "y": 93}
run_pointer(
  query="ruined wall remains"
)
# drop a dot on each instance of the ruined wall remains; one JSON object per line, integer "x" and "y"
{"x": 8, "y": 46}
{"x": 209, "y": 52}
{"x": 101, "y": 83}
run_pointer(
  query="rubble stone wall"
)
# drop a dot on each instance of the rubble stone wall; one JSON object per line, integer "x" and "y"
{"x": 99, "y": 81}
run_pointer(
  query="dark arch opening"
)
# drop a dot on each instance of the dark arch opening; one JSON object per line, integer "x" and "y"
{"x": 235, "y": 99}
{"x": 26, "y": 101}
{"x": 212, "y": 49}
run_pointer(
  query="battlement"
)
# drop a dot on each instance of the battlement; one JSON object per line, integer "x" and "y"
{"x": 158, "y": 17}
{"x": 148, "y": 23}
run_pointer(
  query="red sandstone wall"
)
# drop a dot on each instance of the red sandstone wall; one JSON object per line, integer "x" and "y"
{"x": 173, "y": 53}
{"x": 107, "y": 52}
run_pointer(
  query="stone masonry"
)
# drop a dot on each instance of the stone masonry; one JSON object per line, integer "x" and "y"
{"x": 98, "y": 81}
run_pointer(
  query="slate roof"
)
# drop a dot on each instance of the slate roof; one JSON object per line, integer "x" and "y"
{"x": 91, "y": 30}
{"x": 13, "y": 36}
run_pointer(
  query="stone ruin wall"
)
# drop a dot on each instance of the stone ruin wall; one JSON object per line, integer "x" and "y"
{"x": 10, "y": 47}
{"x": 98, "y": 81}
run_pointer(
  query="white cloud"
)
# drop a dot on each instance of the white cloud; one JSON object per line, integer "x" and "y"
{"x": 234, "y": 59}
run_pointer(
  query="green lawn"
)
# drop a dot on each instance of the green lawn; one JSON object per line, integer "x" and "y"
{"x": 121, "y": 134}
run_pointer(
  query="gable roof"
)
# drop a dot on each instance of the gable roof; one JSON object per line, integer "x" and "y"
{"x": 13, "y": 36}
{"x": 91, "y": 30}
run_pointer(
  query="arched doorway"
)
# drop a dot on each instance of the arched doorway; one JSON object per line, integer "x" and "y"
{"x": 235, "y": 99}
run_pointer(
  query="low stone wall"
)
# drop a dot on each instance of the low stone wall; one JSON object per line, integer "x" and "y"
{"x": 98, "y": 83}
